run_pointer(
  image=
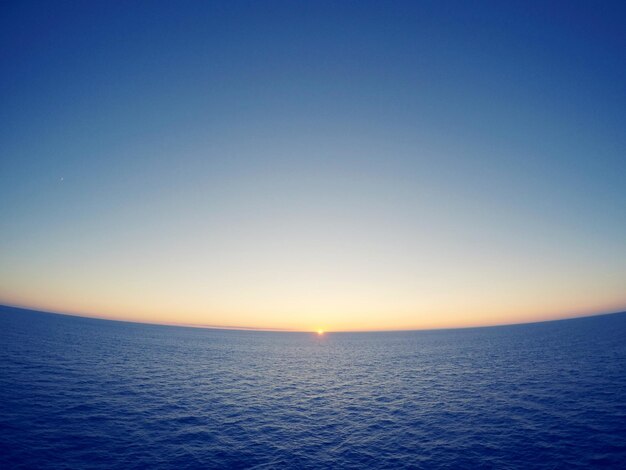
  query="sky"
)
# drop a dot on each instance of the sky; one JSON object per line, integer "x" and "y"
{"x": 302, "y": 165}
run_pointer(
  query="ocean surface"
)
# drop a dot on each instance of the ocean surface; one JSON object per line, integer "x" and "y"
{"x": 87, "y": 394}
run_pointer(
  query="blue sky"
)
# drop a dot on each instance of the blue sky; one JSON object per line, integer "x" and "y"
{"x": 314, "y": 164}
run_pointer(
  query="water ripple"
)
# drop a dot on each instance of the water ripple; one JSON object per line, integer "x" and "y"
{"x": 78, "y": 393}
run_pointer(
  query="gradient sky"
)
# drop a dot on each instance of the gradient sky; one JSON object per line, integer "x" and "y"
{"x": 304, "y": 165}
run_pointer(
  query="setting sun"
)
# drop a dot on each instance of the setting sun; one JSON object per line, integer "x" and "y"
{"x": 189, "y": 190}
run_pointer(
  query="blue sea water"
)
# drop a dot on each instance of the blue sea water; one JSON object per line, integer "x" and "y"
{"x": 86, "y": 394}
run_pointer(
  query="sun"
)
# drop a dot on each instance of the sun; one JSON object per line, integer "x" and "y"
{"x": 320, "y": 332}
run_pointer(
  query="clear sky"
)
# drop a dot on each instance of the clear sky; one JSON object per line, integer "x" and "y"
{"x": 303, "y": 165}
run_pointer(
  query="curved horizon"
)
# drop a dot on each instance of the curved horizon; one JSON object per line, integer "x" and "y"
{"x": 314, "y": 330}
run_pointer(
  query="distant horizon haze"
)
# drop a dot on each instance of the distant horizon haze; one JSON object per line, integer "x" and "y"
{"x": 308, "y": 330}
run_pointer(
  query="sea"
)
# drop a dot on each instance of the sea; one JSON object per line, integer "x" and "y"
{"x": 79, "y": 393}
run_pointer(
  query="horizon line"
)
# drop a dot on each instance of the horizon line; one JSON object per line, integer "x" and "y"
{"x": 290, "y": 330}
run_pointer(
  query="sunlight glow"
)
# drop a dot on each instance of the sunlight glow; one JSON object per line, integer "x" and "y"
{"x": 268, "y": 179}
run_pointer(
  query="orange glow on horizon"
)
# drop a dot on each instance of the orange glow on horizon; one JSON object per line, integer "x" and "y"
{"x": 340, "y": 324}
{"x": 285, "y": 198}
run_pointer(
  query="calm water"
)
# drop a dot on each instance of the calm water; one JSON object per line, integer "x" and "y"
{"x": 81, "y": 393}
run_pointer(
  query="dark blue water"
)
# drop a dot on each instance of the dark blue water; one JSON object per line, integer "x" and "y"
{"x": 81, "y": 393}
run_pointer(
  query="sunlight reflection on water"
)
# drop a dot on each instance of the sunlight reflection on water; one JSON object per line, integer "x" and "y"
{"x": 99, "y": 394}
